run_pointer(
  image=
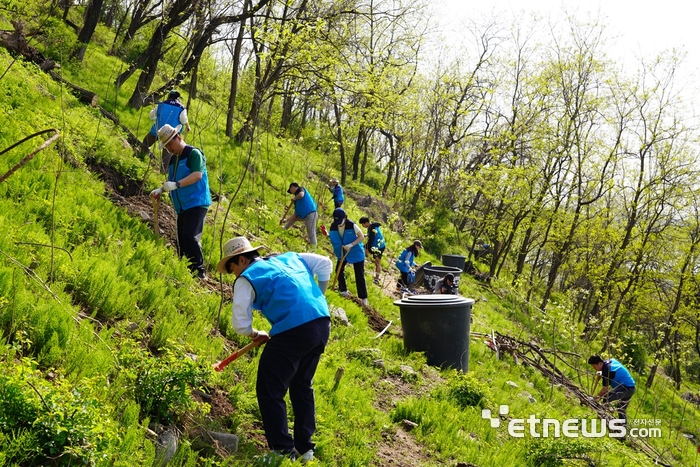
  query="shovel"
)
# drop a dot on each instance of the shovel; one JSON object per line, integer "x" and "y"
{"x": 219, "y": 366}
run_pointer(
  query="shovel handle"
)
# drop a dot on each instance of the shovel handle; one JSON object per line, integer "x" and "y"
{"x": 242, "y": 351}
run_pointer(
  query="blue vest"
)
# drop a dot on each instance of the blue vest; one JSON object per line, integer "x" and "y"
{"x": 357, "y": 253}
{"x": 167, "y": 112}
{"x": 338, "y": 193}
{"x": 406, "y": 255}
{"x": 285, "y": 291}
{"x": 622, "y": 376}
{"x": 305, "y": 206}
{"x": 378, "y": 241}
{"x": 190, "y": 196}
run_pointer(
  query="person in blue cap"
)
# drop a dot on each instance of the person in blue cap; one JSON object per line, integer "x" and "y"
{"x": 346, "y": 237}
{"x": 304, "y": 209}
{"x": 618, "y": 384}
{"x": 171, "y": 112}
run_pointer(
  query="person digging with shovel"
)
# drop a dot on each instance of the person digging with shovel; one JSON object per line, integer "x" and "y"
{"x": 282, "y": 287}
{"x": 188, "y": 187}
{"x": 304, "y": 209}
{"x": 346, "y": 238}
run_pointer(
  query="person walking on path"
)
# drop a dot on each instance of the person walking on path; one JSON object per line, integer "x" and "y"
{"x": 406, "y": 263}
{"x": 170, "y": 112}
{"x": 618, "y": 384}
{"x": 337, "y": 191}
{"x": 446, "y": 285}
{"x": 304, "y": 209}
{"x": 375, "y": 244}
{"x": 346, "y": 238}
{"x": 282, "y": 287}
{"x": 188, "y": 187}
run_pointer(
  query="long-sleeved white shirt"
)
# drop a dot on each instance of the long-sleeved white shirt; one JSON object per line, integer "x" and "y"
{"x": 244, "y": 294}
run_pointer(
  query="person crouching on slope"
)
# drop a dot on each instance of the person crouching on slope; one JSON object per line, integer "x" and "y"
{"x": 406, "y": 262}
{"x": 346, "y": 237}
{"x": 375, "y": 244}
{"x": 615, "y": 376}
{"x": 282, "y": 287}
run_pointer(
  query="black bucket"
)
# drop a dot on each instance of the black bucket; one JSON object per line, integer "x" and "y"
{"x": 439, "y": 326}
{"x": 432, "y": 274}
{"x": 455, "y": 261}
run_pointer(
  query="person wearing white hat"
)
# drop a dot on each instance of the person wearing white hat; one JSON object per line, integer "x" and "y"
{"x": 188, "y": 187}
{"x": 337, "y": 192}
{"x": 282, "y": 287}
{"x": 172, "y": 112}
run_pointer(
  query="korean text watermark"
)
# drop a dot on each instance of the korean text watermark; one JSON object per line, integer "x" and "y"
{"x": 574, "y": 427}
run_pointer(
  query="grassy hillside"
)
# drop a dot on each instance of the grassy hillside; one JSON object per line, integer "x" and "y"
{"x": 105, "y": 336}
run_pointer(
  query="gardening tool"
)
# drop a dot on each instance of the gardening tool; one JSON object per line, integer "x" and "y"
{"x": 284, "y": 216}
{"x": 337, "y": 269}
{"x": 156, "y": 204}
{"x": 324, "y": 231}
{"x": 219, "y": 366}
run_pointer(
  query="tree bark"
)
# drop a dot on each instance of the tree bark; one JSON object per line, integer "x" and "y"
{"x": 92, "y": 17}
{"x": 234, "y": 80}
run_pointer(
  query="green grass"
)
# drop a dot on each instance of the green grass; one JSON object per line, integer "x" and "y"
{"x": 122, "y": 298}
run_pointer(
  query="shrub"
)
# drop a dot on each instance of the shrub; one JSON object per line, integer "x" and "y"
{"x": 467, "y": 391}
{"x": 551, "y": 452}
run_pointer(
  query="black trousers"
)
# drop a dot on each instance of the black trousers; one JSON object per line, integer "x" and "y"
{"x": 359, "y": 278}
{"x": 190, "y": 224}
{"x": 288, "y": 362}
{"x": 623, "y": 394}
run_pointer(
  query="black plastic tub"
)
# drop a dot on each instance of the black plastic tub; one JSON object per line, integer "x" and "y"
{"x": 455, "y": 261}
{"x": 439, "y": 326}
{"x": 432, "y": 274}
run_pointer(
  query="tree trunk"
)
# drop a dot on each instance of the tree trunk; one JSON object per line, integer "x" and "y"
{"x": 341, "y": 146}
{"x": 234, "y": 81}
{"x": 92, "y": 17}
{"x": 358, "y": 150}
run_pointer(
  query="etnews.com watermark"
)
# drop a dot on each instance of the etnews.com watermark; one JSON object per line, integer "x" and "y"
{"x": 574, "y": 427}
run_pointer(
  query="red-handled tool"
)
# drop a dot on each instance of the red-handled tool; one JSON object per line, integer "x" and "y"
{"x": 219, "y": 366}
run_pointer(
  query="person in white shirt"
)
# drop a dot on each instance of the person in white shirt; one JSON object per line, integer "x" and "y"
{"x": 282, "y": 287}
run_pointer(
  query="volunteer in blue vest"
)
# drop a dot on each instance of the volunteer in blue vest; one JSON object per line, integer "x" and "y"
{"x": 346, "y": 238}
{"x": 188, "y": 187}
{"x": 283, "y": 289}
{"x": 618, "y": 384}
{"x": 304, "y": 209}
{"x": 375, "y": 244}
{"x": 337, "y": 192}
{"x": 407, "y": 261}
{"x": 170, "y": 112}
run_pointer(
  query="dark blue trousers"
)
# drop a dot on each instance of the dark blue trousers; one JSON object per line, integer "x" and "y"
{"x": 288, "y": 362}
{"x": 190, "y": 224}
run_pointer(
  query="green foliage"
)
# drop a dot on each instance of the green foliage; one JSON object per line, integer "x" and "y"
{"x": 552, "y": 452}
{"x": 162, "y": 385}
{"x": 41, "y": 421}
{"x": 469, "y": 391}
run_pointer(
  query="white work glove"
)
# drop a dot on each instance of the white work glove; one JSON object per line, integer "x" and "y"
{"x": 348, "y": 247}
{"x": 169, "y": 186}
{"x": 156, "y": 193}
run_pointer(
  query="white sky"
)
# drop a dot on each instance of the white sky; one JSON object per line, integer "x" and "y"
{"x": 642, "y": 27}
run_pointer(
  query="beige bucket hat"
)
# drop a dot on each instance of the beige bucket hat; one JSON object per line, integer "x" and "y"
{"x": 234, "y": 247}
{"x": 167, "y": 133}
